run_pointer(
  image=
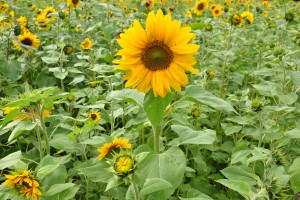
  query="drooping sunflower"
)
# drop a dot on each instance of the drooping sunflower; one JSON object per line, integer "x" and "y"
{"x": 26, "y": 39}
{"x": 236, "y": 19}
{"x": 24, "y": 182}
{"x": 118, "y": 143}
{"x": 94, "y": 116}
{"x": 73, "y": 3}
{"x": 86, "y": 44}
{"x": 248, "y": 16}
{"x": 156, "y": 58}
{"x": 42, "y": 22}
{"x": 200, "y": 7}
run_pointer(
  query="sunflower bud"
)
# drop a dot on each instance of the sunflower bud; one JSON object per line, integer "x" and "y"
{"x": 289, "y": 17}
{"x": 278, "y": 51}
{"x": 93, "y": 84}
{"x": 208, "y": 27}
{"x": 17, "y": 30}
{"x": 256, "y": 105}
{"x": 124, "y": 164}
{"x": 68, "y": 49}
{"x": 210, "y": 73}
{"x": 196, "y": 112}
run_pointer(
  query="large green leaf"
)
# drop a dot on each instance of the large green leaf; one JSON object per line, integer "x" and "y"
{"x": 241, "y": 187}
{"x": 10, "y": 160}
{"x": 193, "y": 194}
{"x": 95, "y": 170}
{"x": 159, "y": 188}
{"x": 155, "y": 107}
{"x": 294, "y": 173}
{"x": 199, "y": 95}
{"x": 20, "y": 127}
{"x": 240, "y": 173}
{"x": 189, "y": 136}
{"x": 169, "y": 166}
{"x": 129, "y": 95}
{"x": 10, "y": 69}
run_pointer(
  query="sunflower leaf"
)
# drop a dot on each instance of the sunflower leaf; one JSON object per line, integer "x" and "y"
{"x": 155, "y": 107}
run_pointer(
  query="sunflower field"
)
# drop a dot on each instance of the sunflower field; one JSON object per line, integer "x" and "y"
{"x": 150, "y": 99}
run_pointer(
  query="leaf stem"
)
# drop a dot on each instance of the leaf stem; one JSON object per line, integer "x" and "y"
{"x": 157, "y": 130}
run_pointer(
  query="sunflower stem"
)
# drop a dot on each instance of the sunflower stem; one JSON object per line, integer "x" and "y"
{"x": 157, "y": 130}
{"x": 112, "y": 120}
{"x": 43, "y": 127}
{"x": 135, "y": 191}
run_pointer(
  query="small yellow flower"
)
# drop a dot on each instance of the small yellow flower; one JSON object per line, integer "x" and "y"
{"x": 95, "y": 116}
{"x": 188, "y": 14}
{"x": 124, "y": 164}
{"x": 86, "y": 44}
{"x": 108, "y": 147}
{"x": 265, "y": 14}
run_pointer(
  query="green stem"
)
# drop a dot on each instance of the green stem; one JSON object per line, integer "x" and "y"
{"x": 39, "y": 142}
{"x": 135, "y": 191}
{"x": 61, "y": 70}
{"x": 157, "y": 130}
{"x": 87, "y": 188}
{"x": 43, "y": 127}
{"x": 112, "y": 120}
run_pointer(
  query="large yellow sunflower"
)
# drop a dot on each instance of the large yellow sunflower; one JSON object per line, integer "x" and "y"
{"x": 26, "y": 39}
{"x": 48, "y": 13}
{"x": 200, "y": 7}
{"x": 24, "y": 182}
{"x": 156, "y": 58}
{"x": 73, "y": 3}
{"x": 217, "y": 11}
{"x": 108, "y": 147}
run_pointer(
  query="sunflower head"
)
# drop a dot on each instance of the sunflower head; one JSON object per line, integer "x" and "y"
{"x": 117, "y": 143}
{"x": 236, "y": 19}
{"x": 24, "y": 182}
{"x": 94, "y": 116}
{"x": 27, "y": 41}
{"x": 73, "y": 3}
{"x": 157, "y": 57}
{"x": 208, "y": 27}
{"x": 217, "y": 11}
{"x": 256, "y": 105}
{"x": 196, "y": 112}
{"x": 248, "y": 16}
{"x": 49, "y": 11}
{"x": 200, "y": 7}
{"x": 86, "y": 44}
{"x": 149, "y": 4}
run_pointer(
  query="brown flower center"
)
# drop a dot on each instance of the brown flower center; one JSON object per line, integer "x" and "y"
{"x": 27, "y": 41}
{"x": 93, "y": 116}
{"x": 157, "y": 56}
{"x": 75, "y": 2}
{"x": 200, "y": 6}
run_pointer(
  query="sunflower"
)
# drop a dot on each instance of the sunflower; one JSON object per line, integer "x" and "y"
{"x": 200, "y": 7}
{"x": 108, "y": 147}
{"x": 236, "y": 19}
{"x": 86, "y": 44}
{"x": 27, "y": 39}
{"x": 43, "y": 22}
{"x": 94, "y": 116}
{"x": 3, "y": 7}
{"x": 73, "y": 3}
{"x": 188, "y": 14}
{"x": 265, "y": 13}
{"x": 212, "y": 7}
{"x": 24, "y": 182}
{"x": 124, "y": 8}
{"x": 149, "y": 4}
{"x": 158, "y": 56}
{"x": 248, "y": 16}
{"x": 217, "y": 11}
{"x": 48, "y": 11}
